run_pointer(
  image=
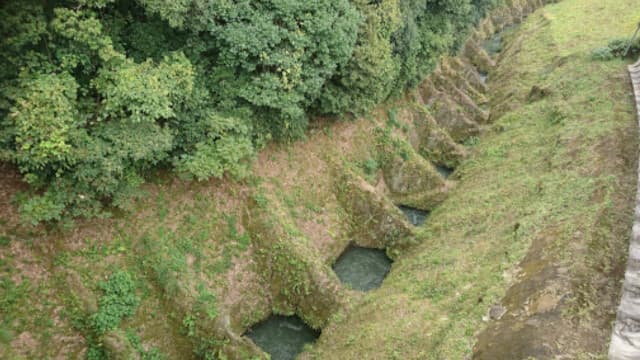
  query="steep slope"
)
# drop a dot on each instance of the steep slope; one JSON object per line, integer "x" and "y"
{"x": 532, "y": 224}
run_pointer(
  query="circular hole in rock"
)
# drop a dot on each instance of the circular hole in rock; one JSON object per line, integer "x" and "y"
{"x": 282, "y": 337}
{"x": 416, "y": 217}
{"x": 362, "y": 268}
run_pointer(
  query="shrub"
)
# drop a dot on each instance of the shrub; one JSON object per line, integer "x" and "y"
{"x": 617, "y": 48}
{"x": 118, "y": 301}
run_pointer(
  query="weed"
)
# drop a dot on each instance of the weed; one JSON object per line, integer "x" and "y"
{"x": 4, "y": 240}
{"x": 152, "y": 354}
{"x": 118, "y": 301}
{"x": 371, "y": 166}
{"x": 11, "y": 295}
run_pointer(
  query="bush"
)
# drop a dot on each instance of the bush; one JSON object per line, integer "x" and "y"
{"x": 118, "y": 301}
{"x": 617, "y": 48}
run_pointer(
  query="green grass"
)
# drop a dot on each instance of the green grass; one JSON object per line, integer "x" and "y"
{"x": 542, "y": 173}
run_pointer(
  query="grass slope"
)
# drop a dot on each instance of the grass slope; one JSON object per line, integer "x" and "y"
{"x": 551, "y": 183}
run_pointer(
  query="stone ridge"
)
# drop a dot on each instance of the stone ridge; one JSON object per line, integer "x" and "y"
{"x": 625, "y": 338}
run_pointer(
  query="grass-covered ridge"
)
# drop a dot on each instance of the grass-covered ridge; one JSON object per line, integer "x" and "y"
{"x": 543, "y": 205}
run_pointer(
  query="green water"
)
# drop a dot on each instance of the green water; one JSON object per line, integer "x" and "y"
{"x": 362, "y": 268}
{"x": 444, "y": 171}
{"x": 282, "y": 337}
{"x": 416, "y": 217}
{"x": 493, "y": 46}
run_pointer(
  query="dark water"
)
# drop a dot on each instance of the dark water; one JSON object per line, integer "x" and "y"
{"x": 282, "y": 337}
{"x": 416, "y": 217}
{"x": 362, "y": 268}
{"x": 493, "y": 46}
{"x": 484, "y": 77}
{"x": 444, "y": 171}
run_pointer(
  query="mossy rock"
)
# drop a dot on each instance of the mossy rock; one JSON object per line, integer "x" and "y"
{"x": 427, "y": 138}
{"x": 465, "y": 78}
{"x": 462, "y": 67}
{"x": 299, "y": 281}
{"x": 411, "y": 175}
{"x": 376, "y": 221}
{"x": 212, "y": 335}
{"x": 478, "y": 56}
{"x": 436, "y": 144}
{"x": 448, "y": 114}
{"x": 448, "y": 86}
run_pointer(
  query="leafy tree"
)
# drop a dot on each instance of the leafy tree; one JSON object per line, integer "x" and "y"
{"x": 95, "y": 94}
{"x": 370, "y": 74}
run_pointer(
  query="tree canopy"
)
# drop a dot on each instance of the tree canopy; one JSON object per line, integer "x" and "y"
{"x": 96, "y": 93}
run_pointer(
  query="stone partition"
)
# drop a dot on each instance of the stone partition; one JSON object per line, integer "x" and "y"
{"x": 625, "y": 339}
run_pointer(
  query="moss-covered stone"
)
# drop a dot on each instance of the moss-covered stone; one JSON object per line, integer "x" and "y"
{"x": 448, "y": 113}
{"x": 466, "y": 78}
{"x": 413, "y": 181}
{"x": 435, "y": 143}
{"x": 463, "y": 67}
{"x": 299, "y": 281}
{"x": 208, "y": 327}
{"x": 376, "y": 221}
{"x": 447, "y": 85}
{"x": 478, "y": 56}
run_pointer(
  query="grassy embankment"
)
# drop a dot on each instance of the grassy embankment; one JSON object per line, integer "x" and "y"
{"x": 552, "y": 181}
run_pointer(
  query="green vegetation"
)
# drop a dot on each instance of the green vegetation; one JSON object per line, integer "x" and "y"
{"x": 117, "y": 302}
{"x": 94, "y": 95}
{"x": 617, "y": 48}
{"x": 551, "y": 184}
{"x": 11, "y": 295}
{"x": 99, "y": 96}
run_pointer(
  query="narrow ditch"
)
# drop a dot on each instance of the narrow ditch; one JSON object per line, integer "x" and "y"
{"x": 381, "y": 228}
{"x": 493, "y": 45}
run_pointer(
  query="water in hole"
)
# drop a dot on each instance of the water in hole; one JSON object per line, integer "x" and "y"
{"x": 416, "y": 217}
{"x": 494, "y": 45}
{"x": 282, "y": 337}
{"x": 362, "y": 268}
{"x": 444, "y": 171}
{"x": 484, "y": 77}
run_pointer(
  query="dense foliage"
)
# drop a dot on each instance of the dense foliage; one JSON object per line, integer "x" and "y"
{"x": 95, "y": 93}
